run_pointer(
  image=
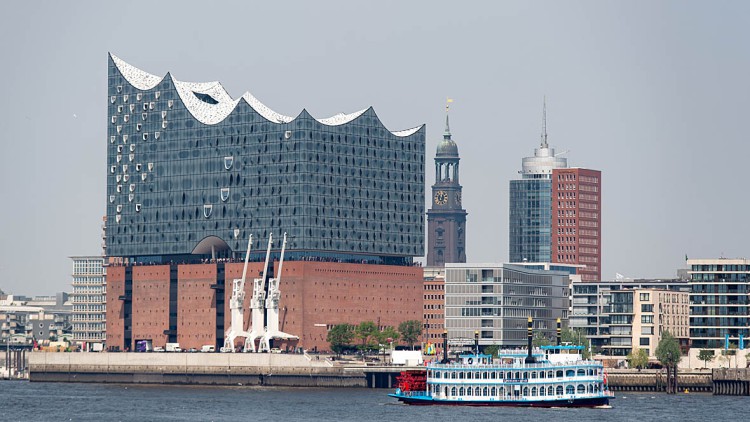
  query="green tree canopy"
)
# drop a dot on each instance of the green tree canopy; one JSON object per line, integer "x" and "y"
{"x": 576, "y": 337}
{"x": 340, "y": 336}
{"x": 539, "y": 339}
{"x": 668, "y": 351}
{"x": 410, "y": 331}
{"x": 366, "y": 331}
{"x": 638, "y": 358}
{"x": 388, "y": 333}
{"x": 706, "y": 356}
{"x": 492, "y": 350}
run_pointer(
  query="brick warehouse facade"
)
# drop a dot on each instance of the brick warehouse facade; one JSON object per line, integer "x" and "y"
{"x": 147, "y": 303}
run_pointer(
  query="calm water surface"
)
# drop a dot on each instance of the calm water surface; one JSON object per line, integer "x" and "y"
{"x": 24, "y": 401}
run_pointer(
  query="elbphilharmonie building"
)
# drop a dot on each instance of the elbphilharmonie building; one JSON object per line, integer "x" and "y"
{"x": 192, "y": 172}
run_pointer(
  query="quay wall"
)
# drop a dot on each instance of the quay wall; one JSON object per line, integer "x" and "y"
{"x": 656, "y": 380}
{"x": 731, "y": 382}
{"x": 193, "y": 368}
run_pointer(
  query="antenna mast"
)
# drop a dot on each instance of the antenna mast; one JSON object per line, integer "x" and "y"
{"x": 544, "y": 124}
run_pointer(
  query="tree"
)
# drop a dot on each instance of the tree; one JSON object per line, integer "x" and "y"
{"x": 492, "y": 350}
{"x": 387, "y": 333}
{"x": 638, "y": 358}
{"x": 365, "y": 331}
{"x": 539, "y": 340}
{"x": 340, "y": 336}
{"x": 706, "y": 356}
{"x": 576, "y": 337}
{"x": 410, "y": 331}
{"x": 668, "y": 351}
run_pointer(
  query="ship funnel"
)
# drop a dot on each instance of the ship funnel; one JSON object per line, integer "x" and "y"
{"x": 445, "y": 347}
{"x": 529, "y": 335}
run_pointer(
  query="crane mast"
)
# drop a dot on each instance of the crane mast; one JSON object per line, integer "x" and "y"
{"x": 272, "y": 308}
{"x": 257, "y": 304}
{"x": 237, "y": 305}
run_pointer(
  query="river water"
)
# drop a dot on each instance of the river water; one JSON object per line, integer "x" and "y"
{"x": 25, "y": 401}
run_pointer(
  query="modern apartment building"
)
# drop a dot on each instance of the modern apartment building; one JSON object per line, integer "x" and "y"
{"x": 497, "y": 299}
{"x": 638, "y": 318}
{"x": 719, "y": 302}
{"x": 591, "y": 306}
{"x": 89, "y": 300}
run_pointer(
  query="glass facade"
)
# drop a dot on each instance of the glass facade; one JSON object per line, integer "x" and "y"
{"x": 496, "y": 301}
{"x": 719, "y": 302}
{"x": 177, "y": 187}
{"x": 89, "y": 299}
{"x": 530, "y": 220}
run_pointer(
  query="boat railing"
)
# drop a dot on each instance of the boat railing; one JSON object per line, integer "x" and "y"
{"x": 515, "y": 366}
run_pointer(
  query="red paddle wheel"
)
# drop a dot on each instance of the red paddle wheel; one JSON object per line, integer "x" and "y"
{"x": 412, "y": 381}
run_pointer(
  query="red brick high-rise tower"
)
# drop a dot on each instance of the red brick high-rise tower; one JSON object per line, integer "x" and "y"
{"x": 576, "y": 220}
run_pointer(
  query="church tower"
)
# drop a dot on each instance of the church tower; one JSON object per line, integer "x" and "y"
{"x": 446, "y": 219}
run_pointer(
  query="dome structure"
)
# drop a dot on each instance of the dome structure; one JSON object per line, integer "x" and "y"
{"x": 447, "y": 147}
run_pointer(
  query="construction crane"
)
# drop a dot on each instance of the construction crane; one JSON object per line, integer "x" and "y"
{"x": 257, "y": 304}
{"x": 237, "y": 306}
{"x": 272, "y": 309}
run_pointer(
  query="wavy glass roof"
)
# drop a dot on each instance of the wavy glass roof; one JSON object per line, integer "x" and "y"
{"x": 210, "y": 103}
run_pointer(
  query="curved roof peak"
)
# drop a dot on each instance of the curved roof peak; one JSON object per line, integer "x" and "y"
{"x": 210, "y": 103}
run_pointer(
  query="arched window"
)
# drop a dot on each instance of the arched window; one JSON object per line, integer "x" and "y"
{"x": 453, "y": 391}
{"x": 501, "y": 392}
{"x": 533, "y": 375}
{"x": 591, "y": 388}
{"x": 542, "y": 391}
{"x": 581, "y": 372}
{"x": 570, "y": 373}
{"x": 493, "y": 392}
{"x": 485, "y": 375}
{"x": 477, "y": 392}
{"x": 533, "y": 391}
{"x": 525, "y": 375}
{"x": 493, "y": 375}
{"x": 570, "y": 390}
{"x": 453, "y": 374}
{"x": 550, "y": 374}
{"x": 461, "y": 391}
{"x": 581, "y": 389}
{"x": 525, "y": 391}
{"x": 485, "y": 391}
{"x": 551, "y": 391}
{"x": 559, "y": 390}
{"x": 559, "y": 374}
{"x": 468, "y": 391}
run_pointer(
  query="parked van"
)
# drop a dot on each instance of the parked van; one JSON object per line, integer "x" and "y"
{"x": 209, "y": 348}
{"x": 173, "y": 347}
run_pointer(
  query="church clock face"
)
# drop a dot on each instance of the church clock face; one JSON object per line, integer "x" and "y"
{"x": 441, "y": 197}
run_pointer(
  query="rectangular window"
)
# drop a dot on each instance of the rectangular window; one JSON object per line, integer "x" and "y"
{"x": 645, "y": 297}
{"x": 647, "y": 319}
{"x": 645, "y": 341}
{"x": 647, "y": 308}
{"x": 647, "y": 331}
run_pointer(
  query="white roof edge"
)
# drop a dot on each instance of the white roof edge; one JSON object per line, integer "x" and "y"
{"x": 212, "y": 114}
{"x": 136, "y": 77}
{"x": 407, "y": 132}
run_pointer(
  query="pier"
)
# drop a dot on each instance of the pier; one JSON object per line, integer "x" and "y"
{"x": 731, "y": 382}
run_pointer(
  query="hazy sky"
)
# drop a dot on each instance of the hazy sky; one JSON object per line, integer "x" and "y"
{"x": 653, "y": 94}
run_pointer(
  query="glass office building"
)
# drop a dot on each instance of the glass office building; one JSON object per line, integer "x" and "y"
{"x": 530, "y": 220}
{"x": 192, "y": 172}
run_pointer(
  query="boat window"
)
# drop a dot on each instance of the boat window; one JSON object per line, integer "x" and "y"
{"x": 485, "y": 375}
{"x": 477, "y": 375}
{"x": 541, "y": 391}
{"x": 591, "y": 388}
{"x": 518, "y": 375}
{"x": 581, "y": 372}
{"x": 461, "y": 391}
{"x": 550, "y": 374}
{"x": 559, "y": 374}
{"x": 461, "y": 375}
{"x": 581, "y": 388}
{"x": 559, "y": 390}
{"x": 570, "y": 373}
{"x": 453, "y": 375}
{"x": 525, "y": 391}
{"x": 453, "y": 391}
{"x": 550, "y": 391}
{"x": 476, "y": 391}
{"x": 533, "y": 375}
{"x": 570, "y": 390}
{"x": 591, "y": 372}
{"x": 525, "y": 375}
{"x": 533, "y": 391}
{"x": 501, "y": 392}
{"x": 493, "y": 391}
